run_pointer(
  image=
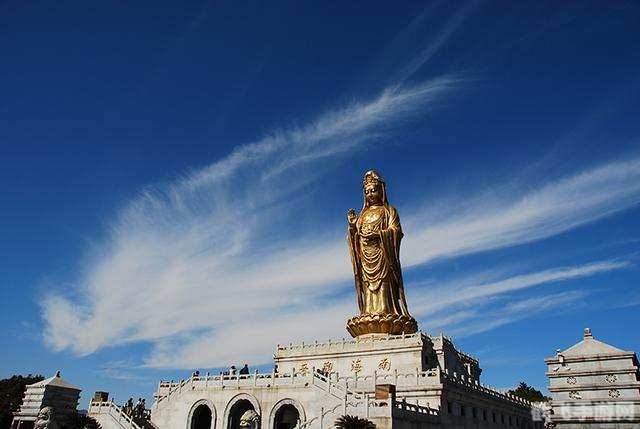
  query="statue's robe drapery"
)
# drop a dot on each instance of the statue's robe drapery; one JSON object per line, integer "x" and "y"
{"x": 376, "y": 262}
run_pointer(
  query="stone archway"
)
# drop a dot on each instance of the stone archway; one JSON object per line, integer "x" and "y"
{"x": 236, "y": 407}
{"x": 286, "y": 414}
{"x": 202, "y": 415}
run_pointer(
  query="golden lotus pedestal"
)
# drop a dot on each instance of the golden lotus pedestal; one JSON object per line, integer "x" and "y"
{"x": 394, "y": 324}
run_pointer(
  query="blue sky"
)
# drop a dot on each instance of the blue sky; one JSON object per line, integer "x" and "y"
{"x": 176, "y": 177}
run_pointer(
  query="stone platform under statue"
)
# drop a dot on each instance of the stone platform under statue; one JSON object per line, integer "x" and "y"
{"x": 395, "y": 381}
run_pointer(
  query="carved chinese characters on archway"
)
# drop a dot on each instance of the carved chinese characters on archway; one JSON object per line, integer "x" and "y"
{"x": 385, "y": 364}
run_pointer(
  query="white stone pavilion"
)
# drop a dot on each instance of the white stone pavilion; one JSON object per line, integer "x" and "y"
{"x": 53, "y": 392}
{"x": 594, "y": 385}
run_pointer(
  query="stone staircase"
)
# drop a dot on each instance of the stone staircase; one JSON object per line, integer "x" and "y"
{"x": 350, "y": 402}
{"x": 111, "y": 416}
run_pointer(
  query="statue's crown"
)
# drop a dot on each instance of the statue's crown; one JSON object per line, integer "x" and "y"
{"x": 371, "y": 176}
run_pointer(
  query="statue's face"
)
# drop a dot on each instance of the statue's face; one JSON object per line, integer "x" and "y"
{"x": 373, "y": 193}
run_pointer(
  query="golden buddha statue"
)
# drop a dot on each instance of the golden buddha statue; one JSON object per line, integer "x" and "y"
{"x": 374, "y": 243}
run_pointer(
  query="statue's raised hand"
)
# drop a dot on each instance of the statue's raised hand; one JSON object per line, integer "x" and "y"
{"x": 351, "y": 217}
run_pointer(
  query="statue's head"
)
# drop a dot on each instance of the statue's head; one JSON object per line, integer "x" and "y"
{"x": 45, "y": 417}
{"x": 373, "y": 188}
{"x": 45, "y": 413}
{"x": 249, "y": 420}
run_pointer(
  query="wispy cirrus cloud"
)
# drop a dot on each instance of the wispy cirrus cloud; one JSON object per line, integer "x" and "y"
{"x": 481, "y": 319}
{"x": 469, "y": 306}
{"x": 189, "y": 256}
{"x": 503, "y": 217}
{"x": 457, "y": 292}
{"x": 207, "y": 260}
{"x": 433, "y": 45}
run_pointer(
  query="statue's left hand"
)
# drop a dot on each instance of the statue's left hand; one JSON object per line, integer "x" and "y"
{"x": 351, "y": 216}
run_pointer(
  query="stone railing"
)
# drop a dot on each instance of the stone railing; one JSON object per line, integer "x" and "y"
{"x": 443, "y": 339}
{"x": 406, "y": 406}
{"x": 367, "y": 408}
{"x": 168, "y": 389}
{"x": 320, "y": 420}
{"x": 350, "y": 402}
{"x": 376, "y": 342}
{"x": 362, "y": 407}
{"x": 382, "y": 342}
{"x": 469, "y": 383}
{"x": 362, "y": 404}
{"x": 399, "y": 379}
{"x": 335, "y": 385}
{"x": 98, "y": 408}
{"x": 334, "y": 388}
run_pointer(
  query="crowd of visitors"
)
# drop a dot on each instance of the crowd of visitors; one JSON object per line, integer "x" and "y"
{"x": 137, "y": 411}
{"x": 233, "y": 371}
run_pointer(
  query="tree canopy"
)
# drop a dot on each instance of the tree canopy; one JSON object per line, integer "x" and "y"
{"x": 11, "y": 394}
{"x": 353, "y": 422}
{"x": 529, "y": 393}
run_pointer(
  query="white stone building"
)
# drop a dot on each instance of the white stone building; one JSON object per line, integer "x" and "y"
{"x": 53, "y": 392}
{"x": 390, "y": 373}
{"x": 396, "y": 381}
{"x": 594, "y": 385}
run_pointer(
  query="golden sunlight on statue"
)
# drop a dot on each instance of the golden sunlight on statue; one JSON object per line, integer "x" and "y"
{"x": 374, "y": 243}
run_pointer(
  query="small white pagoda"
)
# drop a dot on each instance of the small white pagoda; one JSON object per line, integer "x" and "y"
{"x": 53, "y": 392}
{"x": 594, "y": 385}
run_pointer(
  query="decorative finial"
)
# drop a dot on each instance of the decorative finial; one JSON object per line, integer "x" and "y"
{"x": 587, "y": 333}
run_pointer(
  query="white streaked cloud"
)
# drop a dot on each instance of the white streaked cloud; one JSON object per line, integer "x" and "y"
{"x": 500, "y": 218}
{"x": 485, "y": 318}
{"x": 433, "y": 45}
{"x": 191, "y": 255}
{"x": 455, "y": 292}
{"x": 469, "y": 306}
{"x": 205, "y": 271}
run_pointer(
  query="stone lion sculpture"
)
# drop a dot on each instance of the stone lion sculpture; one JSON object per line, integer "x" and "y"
{"x": 250, "y": 420}
{"x": 45, "y": 419}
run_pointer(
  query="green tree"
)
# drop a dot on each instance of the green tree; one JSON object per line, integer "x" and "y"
{"x": 82, "y": 421}
{"x": 11, "y": 394}
{"x": 353, "y": 422}
{"x": 529, "y": 393}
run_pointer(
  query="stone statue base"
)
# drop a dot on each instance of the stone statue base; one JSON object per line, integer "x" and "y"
{"x": 393, "y": 324}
